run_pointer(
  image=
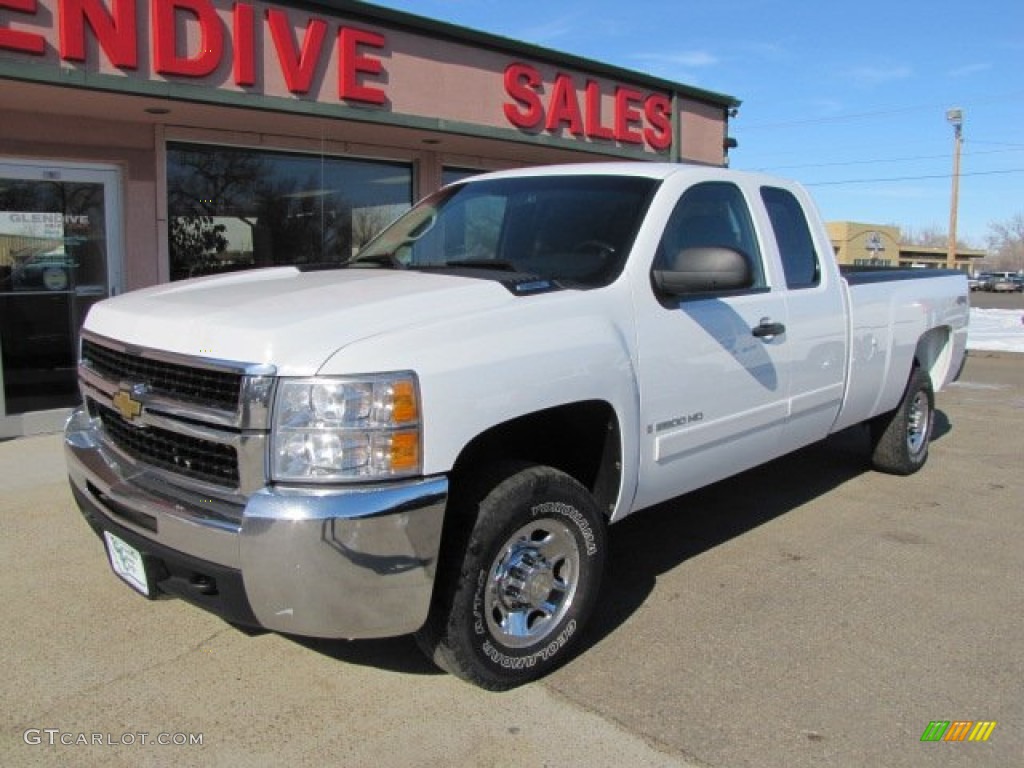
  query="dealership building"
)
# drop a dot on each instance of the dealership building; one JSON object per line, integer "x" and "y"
{"x": 145, "y": 141}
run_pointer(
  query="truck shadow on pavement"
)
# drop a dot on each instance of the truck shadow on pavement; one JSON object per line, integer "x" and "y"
{"x": 394, "y": 654}
{"x": 661, "y": 538}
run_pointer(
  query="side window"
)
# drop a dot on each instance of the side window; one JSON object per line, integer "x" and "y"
{"x": 793, "y": 236}
{"x": 713, "y": 213}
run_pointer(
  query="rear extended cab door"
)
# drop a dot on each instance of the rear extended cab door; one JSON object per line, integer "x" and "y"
{"x": 718, "y": 394}
{"x": 816, "y": 317}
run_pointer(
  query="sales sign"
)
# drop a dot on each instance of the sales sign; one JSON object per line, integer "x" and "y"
{"x": 251, "y": 47}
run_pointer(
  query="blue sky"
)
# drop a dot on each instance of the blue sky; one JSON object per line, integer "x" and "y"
{"x": 849, "y": 99}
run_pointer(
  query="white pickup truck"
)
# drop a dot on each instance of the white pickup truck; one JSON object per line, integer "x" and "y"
{"x": 434, "y": 437}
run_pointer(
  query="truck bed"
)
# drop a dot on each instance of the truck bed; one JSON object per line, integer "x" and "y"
{"x": 891, "y": 325}
{"x": 858, "y": 275}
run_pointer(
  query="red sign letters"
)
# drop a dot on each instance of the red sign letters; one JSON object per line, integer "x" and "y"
{"x": 196, "y": 39}
{"x": 638, "y": 118}
{"x": 115, "y": 30}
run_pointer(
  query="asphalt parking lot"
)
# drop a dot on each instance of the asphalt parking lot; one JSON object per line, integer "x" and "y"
{"x": 807, "y": 613}
{"x": 987, "y": 300}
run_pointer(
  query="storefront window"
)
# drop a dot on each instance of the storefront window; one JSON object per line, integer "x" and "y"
{"x": 232, "y": 208}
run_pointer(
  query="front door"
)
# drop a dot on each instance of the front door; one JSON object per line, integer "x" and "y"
{"x": 59, "y": 254}
{"x": 714, "y": 372}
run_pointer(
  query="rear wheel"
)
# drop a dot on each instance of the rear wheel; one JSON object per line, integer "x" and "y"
{"x": 511, "y": 607}
{"x": 900, "y": 439}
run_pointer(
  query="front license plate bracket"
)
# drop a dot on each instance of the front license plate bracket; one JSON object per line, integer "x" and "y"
{"x": 128, "y": 563}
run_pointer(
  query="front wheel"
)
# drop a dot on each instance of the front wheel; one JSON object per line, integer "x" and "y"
{"x": 514, "y": 606}
{"x": 900, "y": 439}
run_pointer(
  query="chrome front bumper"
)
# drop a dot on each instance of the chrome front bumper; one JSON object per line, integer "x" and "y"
{"x": 354, "y": 562}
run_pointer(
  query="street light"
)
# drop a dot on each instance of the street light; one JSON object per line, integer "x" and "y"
{"x": 954, "y": 117}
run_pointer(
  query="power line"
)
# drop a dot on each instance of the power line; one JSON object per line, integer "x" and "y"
{"x": 906, "y": 178}
{"x": 853, "y": 116}
{"x": 889, "y": 160}
{"x": 998, "y": 143}
{"x": 833, "y": 119}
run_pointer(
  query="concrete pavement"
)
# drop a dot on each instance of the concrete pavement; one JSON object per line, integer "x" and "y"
{"x": 808, "y": 613}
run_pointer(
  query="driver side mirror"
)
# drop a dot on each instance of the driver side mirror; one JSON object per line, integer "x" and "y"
{"x": 707, "y": 269}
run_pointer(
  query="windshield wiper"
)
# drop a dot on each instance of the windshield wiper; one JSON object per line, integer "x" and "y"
{"x": 388, "y": 260}
{"x": 503, "y": 266}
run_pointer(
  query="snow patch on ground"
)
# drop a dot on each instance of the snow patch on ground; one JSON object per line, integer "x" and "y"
{"x": 996, "y": 330}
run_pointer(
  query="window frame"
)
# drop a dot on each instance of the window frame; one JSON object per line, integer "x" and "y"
{"x": 762, "y": 280}
{"x": 774, "y": 223}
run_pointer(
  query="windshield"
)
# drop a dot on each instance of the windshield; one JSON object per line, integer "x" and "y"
{"x": 575, "y": 230}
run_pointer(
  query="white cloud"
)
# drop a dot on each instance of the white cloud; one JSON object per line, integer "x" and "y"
{"x": 766, "y": 51}
{"x": 691, "y": 59}
{"x": 871, "y": 76}
{"x": 549, "y": 31}
{"x": 970, "y": 69}
{"x": 828, "y": 107}
{"x": 555, "y": 29}
{"x": 680, "y": 66}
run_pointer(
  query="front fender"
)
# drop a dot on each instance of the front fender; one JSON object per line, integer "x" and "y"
{"x": 488, "y": 368}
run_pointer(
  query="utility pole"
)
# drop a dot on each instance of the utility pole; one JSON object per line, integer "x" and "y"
{"x": 954, "y": 117}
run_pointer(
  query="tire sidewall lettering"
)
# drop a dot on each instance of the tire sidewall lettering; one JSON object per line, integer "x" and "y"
{"x": 510, "y": 501}
{"x": 530, "y": 660}
{"x": 479, "y": 625}
{"x": 554, "y": 509}
{"x": 493, "y": 651}
{"x": 501, "y": 658}
{"x": 489, "y": 649}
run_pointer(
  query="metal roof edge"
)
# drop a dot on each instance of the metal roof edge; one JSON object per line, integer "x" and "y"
{"x": 357, "y": 9}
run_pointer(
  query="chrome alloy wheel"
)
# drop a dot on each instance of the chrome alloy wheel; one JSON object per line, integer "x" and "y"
{"x": 531, "y": 583}
{"x": 918, "y": 423}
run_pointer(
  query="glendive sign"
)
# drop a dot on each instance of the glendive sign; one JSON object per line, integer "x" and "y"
{"x": 194, "y": 39}
{"x": 115, "y": 30}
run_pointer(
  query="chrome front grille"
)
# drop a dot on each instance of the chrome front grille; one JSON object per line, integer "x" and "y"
{"x": 192, "y": 457}
{"x": 217, "y": 389}
{"x": 199, "y": 424}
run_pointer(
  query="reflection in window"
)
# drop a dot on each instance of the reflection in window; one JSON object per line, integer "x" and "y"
{"x": 713, "y": 214}
{"x": 236, "y": 208}
{"x": 52, "y": 268}
{"x": 793, "y": 236}
{"x": 450, "y": 174}
{"x": 576, "y": 230}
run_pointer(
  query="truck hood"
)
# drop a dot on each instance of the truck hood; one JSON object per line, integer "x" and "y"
{"x": 285, "y": 317}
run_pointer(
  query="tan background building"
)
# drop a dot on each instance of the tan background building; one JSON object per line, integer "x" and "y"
{"x": 860, "y": 244}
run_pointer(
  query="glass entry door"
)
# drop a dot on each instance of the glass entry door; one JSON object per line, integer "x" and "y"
{"x": 59, "y": 254}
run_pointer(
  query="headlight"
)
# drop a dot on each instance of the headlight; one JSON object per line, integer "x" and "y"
{"x": 330, "y": 429}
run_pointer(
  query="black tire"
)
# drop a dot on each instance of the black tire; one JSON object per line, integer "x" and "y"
{"x": 900, "y": 439}
{"x": 512, "y": 600}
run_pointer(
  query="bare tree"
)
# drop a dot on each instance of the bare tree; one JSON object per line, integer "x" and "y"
{"x": 930, "y": 237}
{"x": 1006, "y": 244}
{"x": 368, "y": 222}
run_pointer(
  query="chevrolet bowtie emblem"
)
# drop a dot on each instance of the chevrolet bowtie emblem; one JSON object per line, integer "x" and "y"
{"x": 127, "y": 405}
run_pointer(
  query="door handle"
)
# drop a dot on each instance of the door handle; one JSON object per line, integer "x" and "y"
{"x": 767, "y": 329}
